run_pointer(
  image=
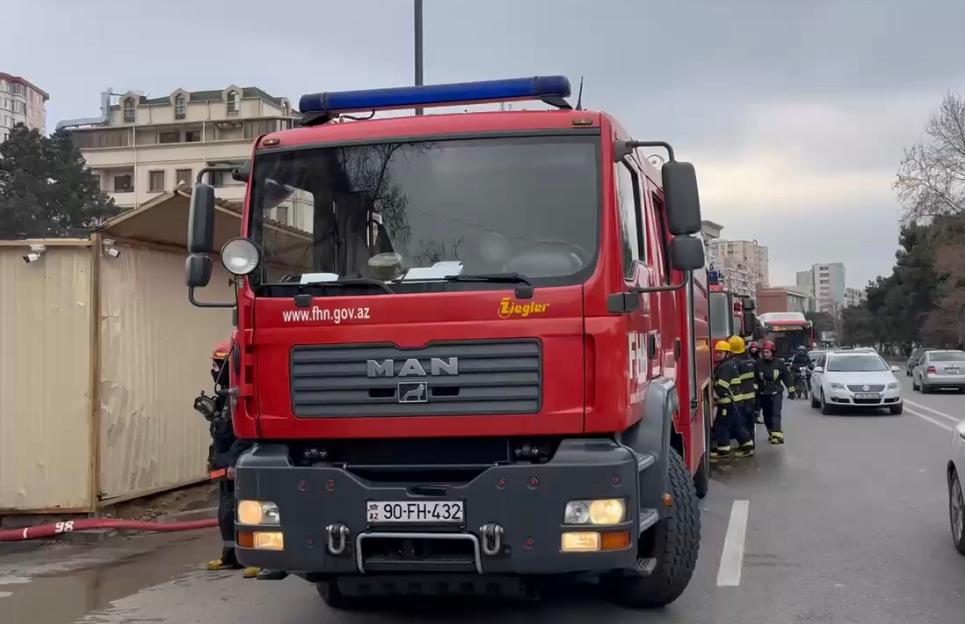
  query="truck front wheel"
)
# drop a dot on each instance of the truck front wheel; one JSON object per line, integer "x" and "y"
{"x": 674, "y": 542}
{"x": 333, "y": 597}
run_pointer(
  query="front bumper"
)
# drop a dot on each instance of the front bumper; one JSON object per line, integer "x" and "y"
{"x": 526, "y": 501}
{"x": 888, "y": 397}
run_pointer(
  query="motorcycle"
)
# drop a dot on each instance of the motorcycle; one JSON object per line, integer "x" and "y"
{"x": 802, "y": 382}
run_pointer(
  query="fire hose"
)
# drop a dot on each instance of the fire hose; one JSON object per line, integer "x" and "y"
{"x": 61, "y": 527}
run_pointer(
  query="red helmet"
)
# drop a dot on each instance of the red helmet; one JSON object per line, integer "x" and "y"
{"x": 769, "y": 345}
{"x": 754, "y": 345}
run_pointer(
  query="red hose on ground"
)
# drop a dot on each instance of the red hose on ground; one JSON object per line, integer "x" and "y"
{"x": 60, "y": 527}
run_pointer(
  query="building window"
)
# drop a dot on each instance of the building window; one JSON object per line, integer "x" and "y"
{"x": 130, "y": 111}
{"x": 19, "y": 107}
{"x": 234, "y": 101}
{"x": 183, "y": 176}
{"x": 192, "y": 136}
{"x": 281, "y": 214}
{"x": 155, "y": 181}
{"x": 17, "y": 88}
{"x": 180, "y": 106}
{"x": 169, "y": 136}
{"x": 122, "y": 184}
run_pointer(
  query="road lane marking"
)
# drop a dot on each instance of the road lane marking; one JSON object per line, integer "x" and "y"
{"x": 732, "y": 556}
{"x": 940, "y": 424}
{"x": 932, "y": 410}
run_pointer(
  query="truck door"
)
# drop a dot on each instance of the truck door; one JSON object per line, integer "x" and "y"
{"x": 641, "y": 326}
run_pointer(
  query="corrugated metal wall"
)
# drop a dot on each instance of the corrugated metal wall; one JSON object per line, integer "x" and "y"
{"x": 45, "y": 329}
{"x": 155, "y": 357}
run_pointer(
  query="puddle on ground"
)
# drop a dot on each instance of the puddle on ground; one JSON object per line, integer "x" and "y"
{"x": 68, "y": 594}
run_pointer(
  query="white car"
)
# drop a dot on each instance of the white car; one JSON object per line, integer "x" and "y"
{"x": 956, "y": 502}
{"x": 854, "y": 379}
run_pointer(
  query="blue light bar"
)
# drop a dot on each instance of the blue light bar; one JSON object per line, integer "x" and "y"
{"x": 533, "y": 88}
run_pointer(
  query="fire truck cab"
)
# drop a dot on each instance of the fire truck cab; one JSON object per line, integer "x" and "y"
{"x": 471, "y": 349}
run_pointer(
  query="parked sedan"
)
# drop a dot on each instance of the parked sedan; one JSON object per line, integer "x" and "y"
{"x": 913, "y": 359}
{"x": 956, "y": 502}
{"x": 939, "y": 368}
{"x": 852, "y": 379}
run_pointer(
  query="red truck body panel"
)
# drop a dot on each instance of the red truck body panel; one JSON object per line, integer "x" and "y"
{"x": 595, "y": 365}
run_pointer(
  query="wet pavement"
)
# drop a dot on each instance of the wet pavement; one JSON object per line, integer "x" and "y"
{"x": 847, "y": 522}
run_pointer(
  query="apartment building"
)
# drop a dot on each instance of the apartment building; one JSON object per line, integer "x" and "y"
{"x": 743, "y": 265}
{"x": 21, "y": 102}
{"x": 827, "y": 280}
{"x": 141, "y": 147}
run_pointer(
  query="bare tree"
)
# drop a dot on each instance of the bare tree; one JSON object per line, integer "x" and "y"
{"x": 931, "y": 177}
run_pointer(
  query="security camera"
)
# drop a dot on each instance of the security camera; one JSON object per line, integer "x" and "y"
{"x": 36, "y": 251}
{"x": 109, "y": 248}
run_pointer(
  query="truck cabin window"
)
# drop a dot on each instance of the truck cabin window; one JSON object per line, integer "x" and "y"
{"x": 417, "y": 212}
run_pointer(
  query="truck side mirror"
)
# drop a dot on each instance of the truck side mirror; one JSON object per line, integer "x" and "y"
{"x": 686, "y": 253}
{"x": 680, "y": 197}
{"x": 750, "y": 323}
{"x": 201, "y": 220}
{"x": 197, "y": 270}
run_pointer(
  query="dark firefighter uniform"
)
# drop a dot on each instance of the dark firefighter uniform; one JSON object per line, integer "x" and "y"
{"x": 772, "y": 374}
{"x": 223, "y": 453}
{"x": 754, "y": 351}
{"x": 746, "y": 399}
{"x": 727, "y": 423}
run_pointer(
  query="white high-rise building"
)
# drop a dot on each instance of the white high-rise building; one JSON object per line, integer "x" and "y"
{"x": 743, "y": 265}
{"x": 826, "y": 281}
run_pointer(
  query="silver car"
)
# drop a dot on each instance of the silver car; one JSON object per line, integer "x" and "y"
{"x": 939, "y": 368}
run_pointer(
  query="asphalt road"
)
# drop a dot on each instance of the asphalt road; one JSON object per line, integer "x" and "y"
{"x": 846, "y": 522}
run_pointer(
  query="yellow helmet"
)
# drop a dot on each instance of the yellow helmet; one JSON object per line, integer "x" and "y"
{"x": 722, "y": 346}
{"x": 736, "y": 344}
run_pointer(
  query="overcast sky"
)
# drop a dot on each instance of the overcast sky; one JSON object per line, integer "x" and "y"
{"x": 794, "y": 113}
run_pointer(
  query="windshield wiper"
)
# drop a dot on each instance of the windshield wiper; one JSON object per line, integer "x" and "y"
{"x": 524, "y": 292}
{"x": 349, "y": 282}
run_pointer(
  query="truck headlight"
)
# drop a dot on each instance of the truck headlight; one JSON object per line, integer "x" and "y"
{"x": 595, "y": 512}
{"x": 239, "y": 256}
{"x": 253, "y": 512}
{"x": 837, "y": 387}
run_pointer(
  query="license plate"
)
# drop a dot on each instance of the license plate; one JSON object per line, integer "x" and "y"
{"x": 414, "y": 511}
{"x": 866, "y": 396}
{"x": 952, "y": 370}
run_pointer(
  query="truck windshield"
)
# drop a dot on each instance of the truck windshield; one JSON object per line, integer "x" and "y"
{"x": 418, "y": 212}
{"x": 720, "y": 315}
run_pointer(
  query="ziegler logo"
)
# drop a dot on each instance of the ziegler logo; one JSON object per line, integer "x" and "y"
{"x": 508, "y": 308}
{"x": 411, "y": 367}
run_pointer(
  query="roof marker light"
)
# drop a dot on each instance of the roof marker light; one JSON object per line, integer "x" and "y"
{"x": 551, "y": 89}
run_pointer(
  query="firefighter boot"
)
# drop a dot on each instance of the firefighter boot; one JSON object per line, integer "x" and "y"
{"x": 721, "y": 451}
{"x": 745, "y": 450}
{"x": 250, "y": 572}
{"x": 226, "y": 561}
{"x": 776, "y": 438}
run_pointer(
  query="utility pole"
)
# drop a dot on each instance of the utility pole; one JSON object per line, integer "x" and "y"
{"x": 418, "y": 47}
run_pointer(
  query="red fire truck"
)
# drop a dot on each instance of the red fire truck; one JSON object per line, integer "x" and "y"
{"x": 471, "y": 349}
{"x": 730, "y": 314}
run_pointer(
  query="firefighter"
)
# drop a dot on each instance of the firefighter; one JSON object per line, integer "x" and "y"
{"x": 222, "y": 454}
{"x": 754, "y": 349}
{"x": 772, "y": 373}
{"x": 727, "y": 423}
{"x": 746, "y": 367}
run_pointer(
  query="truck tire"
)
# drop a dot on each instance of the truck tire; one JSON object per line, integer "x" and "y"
{"x": 675, "y": 542}
{"x": 333, "y": 597}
